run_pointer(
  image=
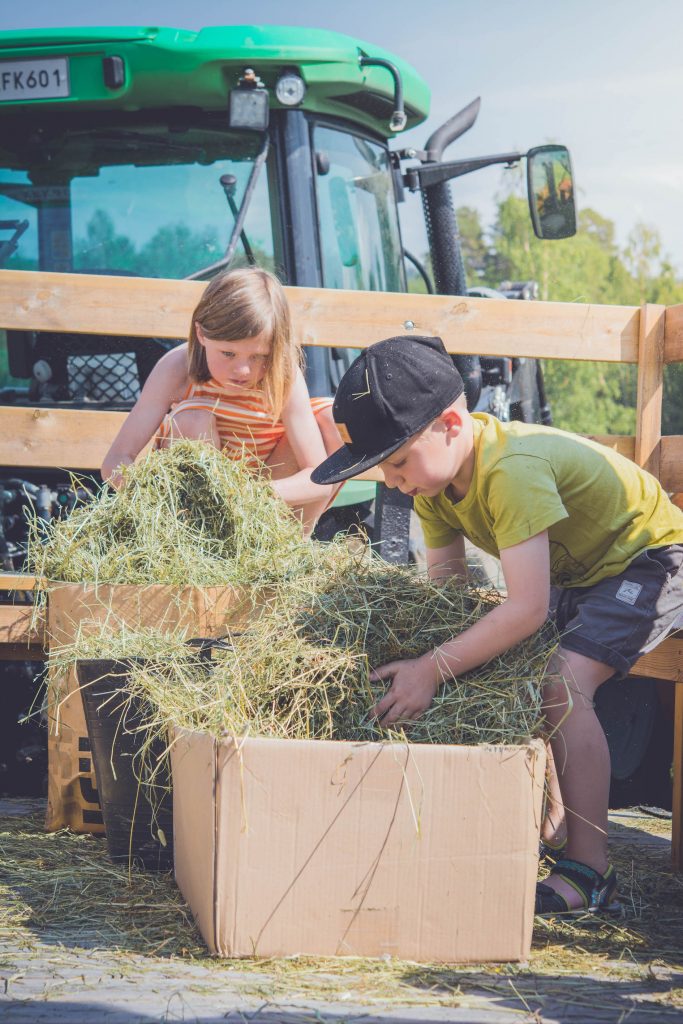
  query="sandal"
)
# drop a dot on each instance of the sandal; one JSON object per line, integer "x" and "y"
{"x": 549, "y": 852}
{"x": 597, "y": 891}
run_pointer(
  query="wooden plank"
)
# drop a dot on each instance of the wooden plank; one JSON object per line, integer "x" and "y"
{"x": 17, "y": 581}
{"x": 665, "y": 662}
{"x": 673, "y": 335}
{"x": 671, "y": 465}
{"x": 650, "y": 387}
{"x": 148, "y": 307}
{"x": 68, "y": 438}
{"x": 63, "y": 438}
{"x": 16, "y": 626}
{"x": 677, "y": 796}
{"x": 625, "y": 444}
{"x": 97, "y": 304}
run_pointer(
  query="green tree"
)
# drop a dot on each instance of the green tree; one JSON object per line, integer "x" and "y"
{"x": 175, "y": 251}
{"x": 591, "y": 397}
{"x": 585, "y": 397}
{"x": 103, "y": 250}
{"x": 643, "y": 257}
{"x": 473, "y": 243}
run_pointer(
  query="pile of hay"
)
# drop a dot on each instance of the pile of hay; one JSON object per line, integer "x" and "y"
{"x": 185, "y": 516}
{"x": 301, "y": 669}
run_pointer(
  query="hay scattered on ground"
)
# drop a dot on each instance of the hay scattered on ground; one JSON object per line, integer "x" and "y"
{"x": 62, "y": 903}
{"x": 63, "y": 884}
{"x": 185, "y": 516}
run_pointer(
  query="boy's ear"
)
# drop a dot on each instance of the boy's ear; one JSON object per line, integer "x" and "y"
{"x": 451, "y": 419}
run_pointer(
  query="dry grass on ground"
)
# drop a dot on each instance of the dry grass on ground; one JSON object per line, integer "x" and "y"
{"x": 59, "y": 894}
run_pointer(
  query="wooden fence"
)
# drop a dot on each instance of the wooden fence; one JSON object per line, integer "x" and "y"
{"x": 650, "y": 337}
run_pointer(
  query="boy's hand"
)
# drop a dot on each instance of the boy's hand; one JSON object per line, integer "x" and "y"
{"x": 411, "y": 692}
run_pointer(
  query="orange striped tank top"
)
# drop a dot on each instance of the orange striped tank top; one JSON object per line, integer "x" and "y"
{"x": 245, "y": 424}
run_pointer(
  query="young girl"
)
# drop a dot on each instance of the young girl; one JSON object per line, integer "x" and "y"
{"x": 238, "y": 383}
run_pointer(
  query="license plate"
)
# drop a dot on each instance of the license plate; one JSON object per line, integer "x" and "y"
{"x": 34, "y": 79}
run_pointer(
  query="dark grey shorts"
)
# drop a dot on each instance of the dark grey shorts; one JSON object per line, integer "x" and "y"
{"x": 618, "y": 619}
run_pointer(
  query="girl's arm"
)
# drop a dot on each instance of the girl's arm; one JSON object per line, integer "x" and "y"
{"x": 166, "y": 384}
{"x": 306, "y": 441}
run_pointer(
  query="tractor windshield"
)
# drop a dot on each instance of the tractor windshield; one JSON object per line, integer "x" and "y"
{"x": 153, "y": 201}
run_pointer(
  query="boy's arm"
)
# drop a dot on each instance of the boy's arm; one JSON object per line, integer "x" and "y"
{"x": 447, "y": 561}
{"x": 526, "y": 568}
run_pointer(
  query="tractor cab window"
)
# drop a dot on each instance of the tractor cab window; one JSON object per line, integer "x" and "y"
{"x": 359, "y": 234}
{"x": 18, "y": 223}
{"x": 166, "y": 221}
{"x": 156, "y": 201}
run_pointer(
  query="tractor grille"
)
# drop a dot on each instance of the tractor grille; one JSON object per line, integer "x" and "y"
{"x": 105, "y": 377}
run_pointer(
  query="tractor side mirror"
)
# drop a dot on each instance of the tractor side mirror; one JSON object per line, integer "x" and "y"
{"x": 550, "y": 185}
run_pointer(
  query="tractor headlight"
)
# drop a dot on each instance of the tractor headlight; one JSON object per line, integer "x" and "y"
{"x": 290, "y": 89}
{"x": 248, "y": 106}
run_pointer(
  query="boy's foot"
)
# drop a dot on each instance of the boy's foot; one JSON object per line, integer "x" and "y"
{"x": 551, "y": 850}
{"x": 575, "y": 888}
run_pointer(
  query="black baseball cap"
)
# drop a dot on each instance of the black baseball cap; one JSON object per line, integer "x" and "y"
{"x": 388, "y": 394}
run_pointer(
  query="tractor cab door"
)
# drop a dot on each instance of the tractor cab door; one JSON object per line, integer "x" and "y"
{"x": 360, "y": 240}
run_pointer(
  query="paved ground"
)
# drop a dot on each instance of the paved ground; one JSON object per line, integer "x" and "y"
{"x": 44, "y": 978}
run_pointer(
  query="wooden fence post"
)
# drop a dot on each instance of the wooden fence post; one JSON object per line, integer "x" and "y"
{"x": 650, "y": 387}
{"x": 647, "y": 455}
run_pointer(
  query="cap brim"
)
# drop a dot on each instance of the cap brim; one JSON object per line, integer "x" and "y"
{"x": 343, "y": 464}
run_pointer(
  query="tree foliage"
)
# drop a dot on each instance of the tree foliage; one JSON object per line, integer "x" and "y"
{"x": 588, "y": 397}
{"x": 173, "y": 251}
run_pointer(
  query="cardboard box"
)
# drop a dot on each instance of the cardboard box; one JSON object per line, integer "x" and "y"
{"x": 421, "y": 852}
{"x": 72, "y": 797}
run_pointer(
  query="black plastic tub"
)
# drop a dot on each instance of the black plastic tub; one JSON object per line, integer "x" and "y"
{"x": 138, "y": 819}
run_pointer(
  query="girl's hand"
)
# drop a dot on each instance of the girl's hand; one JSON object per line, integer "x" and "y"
{"x": 412, "y": 690}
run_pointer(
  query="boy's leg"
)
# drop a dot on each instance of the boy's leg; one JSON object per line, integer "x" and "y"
{"x": 581, "y": 758}
{"x": 606, "y": 627}
{"x": 554, "y": 828}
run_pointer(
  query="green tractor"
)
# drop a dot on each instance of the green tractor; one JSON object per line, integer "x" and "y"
{"x": 166, "y": 153}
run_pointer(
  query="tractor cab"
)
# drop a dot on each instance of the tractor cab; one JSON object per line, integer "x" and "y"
{"x": 157, "y": 152}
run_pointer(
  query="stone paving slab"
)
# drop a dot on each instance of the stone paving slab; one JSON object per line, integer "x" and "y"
{"x": 83, "y": 988}
{"x": 44, "y": 980}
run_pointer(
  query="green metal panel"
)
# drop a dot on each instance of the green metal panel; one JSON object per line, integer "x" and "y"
{"x": 168, "y": 67}
{"x": 354, "y": 492}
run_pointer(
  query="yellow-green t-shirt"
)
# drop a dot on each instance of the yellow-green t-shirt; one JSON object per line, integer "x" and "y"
{"x": 599, "y": 508}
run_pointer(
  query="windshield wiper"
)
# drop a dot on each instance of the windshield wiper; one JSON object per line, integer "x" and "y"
{"x": 229, "y": 182}
{"x": 238, "y": 228}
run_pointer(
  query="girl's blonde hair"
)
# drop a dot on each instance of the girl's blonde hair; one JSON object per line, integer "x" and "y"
{"x": 239, "y": 305}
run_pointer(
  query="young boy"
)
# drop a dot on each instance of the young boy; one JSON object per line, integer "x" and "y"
{"x": 559, "y": 511}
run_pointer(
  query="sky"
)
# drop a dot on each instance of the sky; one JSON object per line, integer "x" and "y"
{"x": 604, "y": 77}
